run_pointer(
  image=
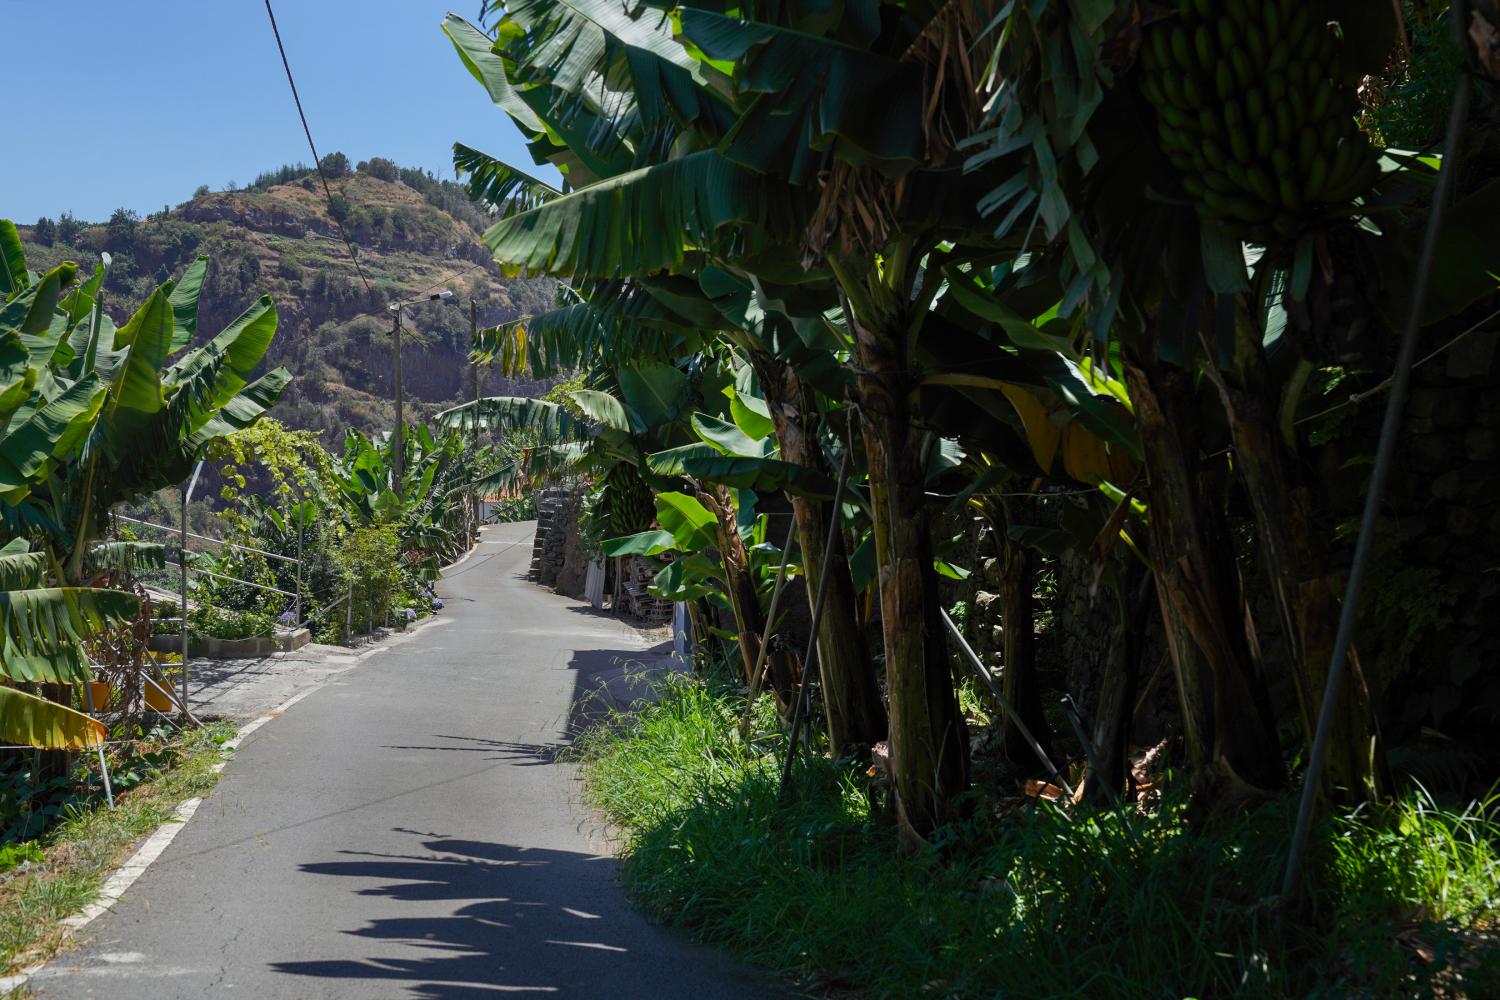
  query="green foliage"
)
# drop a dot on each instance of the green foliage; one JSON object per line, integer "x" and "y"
{"x": 284, "y": 174}
{"x": 1407, "y": 106}
{"x": 207, "y": 621}
{"x": 121, "y": 229}
{"x": 509, "y": 509}
{"x": 1032, "y": 905}
{"x": 334, "y": 165}
{"x": 87, "y": 843}
{"x": 370, "y": 559}
{"x": 13, "y": 856}
{"x": 380, "y": 168}
{"x": 68, "y": 228}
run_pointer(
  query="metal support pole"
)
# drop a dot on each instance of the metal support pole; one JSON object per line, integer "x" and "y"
{"x": 1385, "y": 451}
{"x": 1075, "y": 719}
{"x": 399, "y": 463}
{"x": 109, "y": 791}
{"x": 474, "y": 392}
{"x": 182, "y": 561}
{"x": 765, "y": 640}
{"x": 297, "y": 613}
{"x": 1005, "y": 705}
{"x": 800, "y": 706}
{"x": 349, "y": 615}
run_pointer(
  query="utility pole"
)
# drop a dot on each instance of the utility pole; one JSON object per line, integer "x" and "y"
{"x": 474, "y": 499}
{"x": 399, "y": 466}
{"x": 400, "y": 447}
{"x": 474, "y": 370}
{"x": 182, "y": 564}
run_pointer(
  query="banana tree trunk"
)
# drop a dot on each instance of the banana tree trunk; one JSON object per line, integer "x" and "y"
{"x": 1226, "y": 723}
{"x": 851, "y": 696}
{"x": 1296, "y": 564}
{"x": 744, "y": 600}
{"x": 929, "y": 743}
{"x": 1019, "y": 682}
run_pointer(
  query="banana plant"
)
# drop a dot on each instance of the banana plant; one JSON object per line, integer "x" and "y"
{"x": 144, "y": 418}
{"x": 90, "y": 416}
{"x": 42, "y": 643}
{"x": 422, "y": 511}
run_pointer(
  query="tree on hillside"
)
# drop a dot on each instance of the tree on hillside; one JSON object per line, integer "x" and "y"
{"x": 121, "y": 229}
{"x": 68, "y": 227}
{"x": 381, "y": 168}
{"x": 44, "y": 232}
{"x": 334, "y": 165}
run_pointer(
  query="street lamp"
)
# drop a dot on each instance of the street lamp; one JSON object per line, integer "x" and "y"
{"x": 400, "y": 446}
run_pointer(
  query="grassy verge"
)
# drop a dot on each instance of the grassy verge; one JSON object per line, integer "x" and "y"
{"x": 81, "y": 851}
{"x": 1032, "y": 903}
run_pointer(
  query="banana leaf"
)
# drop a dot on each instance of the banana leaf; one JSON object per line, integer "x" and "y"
{"x": 43, "y": 629}
{"x": 27, "y": 720}
{"x": 13, "y": 274}
{"x": 646, "y": 220}
{"x": 505, "y": 189}
{"x": 762, "y": 475}
{"x": 184, "y": 300}
{"x": 690, "y": 523}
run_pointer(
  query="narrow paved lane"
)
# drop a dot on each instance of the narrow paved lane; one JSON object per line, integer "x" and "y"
{"x": 405, "y": 832}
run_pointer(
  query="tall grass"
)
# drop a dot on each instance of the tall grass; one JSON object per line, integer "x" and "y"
{"x": 1030, "y": 903}
{"x": 81, "y": 852}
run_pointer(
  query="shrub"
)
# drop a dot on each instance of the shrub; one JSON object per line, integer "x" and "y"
{"x": 206, "y": 621}
{"x": 370, "y": 560}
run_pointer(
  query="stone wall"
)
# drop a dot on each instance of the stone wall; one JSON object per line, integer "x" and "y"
{"x": 557, "y": 554}
{"x": 1433, "y": 597}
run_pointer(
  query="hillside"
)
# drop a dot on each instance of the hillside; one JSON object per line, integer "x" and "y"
{"x": 414, "y": 235}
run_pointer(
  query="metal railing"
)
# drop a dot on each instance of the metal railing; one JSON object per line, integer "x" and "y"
{"x": 184, "y": 562}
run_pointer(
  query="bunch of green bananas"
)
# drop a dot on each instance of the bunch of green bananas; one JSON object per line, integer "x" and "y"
{"x": 626, "y": 501}
{"x": 1250, "y": 110}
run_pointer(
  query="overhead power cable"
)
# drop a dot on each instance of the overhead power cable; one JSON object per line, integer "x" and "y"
{"x": 449, "y": 277}
{"x": 317, "y": 162}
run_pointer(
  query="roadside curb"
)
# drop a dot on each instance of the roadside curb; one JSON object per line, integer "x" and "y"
{"x": 156, "y": 842}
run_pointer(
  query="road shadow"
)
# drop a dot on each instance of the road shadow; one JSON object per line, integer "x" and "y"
{"x": 608, "y": 681}
{"x": 521, "y": 754}
{"x": 525, "y": 926}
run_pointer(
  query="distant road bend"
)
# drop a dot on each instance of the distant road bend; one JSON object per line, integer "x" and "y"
{"x": 405, "y": 831}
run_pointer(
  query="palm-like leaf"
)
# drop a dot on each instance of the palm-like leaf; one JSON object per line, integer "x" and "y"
{"x": 184, "y": 302}
{"x": 41, "y": 639}
{"x": 805, "y": 94}
{"x": 32, "y": 447}
{"x": 763, "y": 475}
{"x": 505, "y": 189}
{"x": 13, "y": 275}
{"x": 648, "y": 220}
{"x": 613, "y": 321}
{"x": 19, "y": 568}
{"x": 542, "y": 421}
{"x": 130, "y": 557}
{"x": 27, "y": 720}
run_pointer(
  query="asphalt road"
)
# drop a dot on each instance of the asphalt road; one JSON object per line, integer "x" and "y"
{"x": 404, "y": 831}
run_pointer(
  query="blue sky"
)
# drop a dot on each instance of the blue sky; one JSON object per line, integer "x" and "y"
{"x": 135, "y": 103}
